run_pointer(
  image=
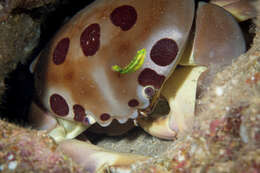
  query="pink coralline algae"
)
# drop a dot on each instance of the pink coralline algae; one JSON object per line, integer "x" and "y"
{"x": 23, "y": 150}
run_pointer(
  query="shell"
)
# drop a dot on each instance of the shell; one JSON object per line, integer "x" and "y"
{"x": 73, "y": 75}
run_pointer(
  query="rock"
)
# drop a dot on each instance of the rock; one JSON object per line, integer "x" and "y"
{"x": 19, "y": 35}
{"x": 7, "y": 6}
{"x": 26, "y": 150}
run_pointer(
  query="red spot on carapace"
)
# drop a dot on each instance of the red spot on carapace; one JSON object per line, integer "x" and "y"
{"x": 90, "y": 39}
{"x": 61, "y": 50}
{"x": 79, "y": 113}
{"x": 59, "y": 105}
{"x": 133, "y": 103}
{"x": 150, "y": 77}
{"x": 104, "y": 117}
{"x": 124, "y": 17}
{"x": 164, "y": 52}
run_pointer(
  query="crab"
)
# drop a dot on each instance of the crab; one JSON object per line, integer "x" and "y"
{"x": 114, "y": 60}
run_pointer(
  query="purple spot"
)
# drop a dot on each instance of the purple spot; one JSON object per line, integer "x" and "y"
{"x": 61, "y": 50}
{"x": 59, "y": 105}
{"x": 133, "y": 103}
{"x": 90, "y": 39}
{"x": 79, "y": 113}
{"x": 124, "y": 17}
{"x": 149, "y": 91}
{"x": 150, "y": 77}
{"x": 86, "y": 121}
{"x": 164, "y": 52}
{"x": 104, "y": 117}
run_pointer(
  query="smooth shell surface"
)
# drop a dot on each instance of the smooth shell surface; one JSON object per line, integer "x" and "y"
{"x": 224, "y": 45}
{"x": 76, "y": 65}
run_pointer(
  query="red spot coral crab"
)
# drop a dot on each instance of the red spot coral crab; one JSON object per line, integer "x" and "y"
{"x": 77, "y": 87}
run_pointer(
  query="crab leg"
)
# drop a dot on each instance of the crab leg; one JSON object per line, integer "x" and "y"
{"x": 180, "y": 91}
{"x": 241, "y": 9}
{"x": 217, "y": 41}
{"x": 43, "y": 121}
{"x": 95, "y": 159}
{"x": 58, "y": 129}
{"x": 92, "y": 158}
{"x": 89, "y": 156}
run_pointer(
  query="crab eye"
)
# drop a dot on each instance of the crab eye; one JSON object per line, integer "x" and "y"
{"x": 149, "y": 91}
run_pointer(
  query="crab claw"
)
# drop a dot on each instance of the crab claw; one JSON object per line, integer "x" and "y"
{"x": 40, "y": 119}
{"x": 180, "y": 91}
{"x": 218, "y": 38}
{"x": 217, "y": 41}
{"x": 96, "y": 159}
{"x": 57, "y": 128}
{"x": 241, "y": 9}
{"x": 89, "y": 156}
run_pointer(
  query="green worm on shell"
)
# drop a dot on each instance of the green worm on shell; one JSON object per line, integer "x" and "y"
{"x": 134, "y": 65}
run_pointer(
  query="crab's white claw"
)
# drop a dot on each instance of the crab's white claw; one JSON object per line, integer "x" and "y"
{"x": 180, "y": 91}
{"x": 96, "y": 159}
{"x": 57, "y": 128}
{"x": 67, "y": 130}
{"x": 159, "y": 127}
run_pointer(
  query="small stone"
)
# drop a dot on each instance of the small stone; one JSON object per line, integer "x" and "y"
{"x": 227, "y": 108}
{"x": 219, "y": 91}
{"x": 12, "y": 165}
{"x": 181, "y": 157}
{"x": 243, "y": 134}
{"x": 221, "y": 151}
